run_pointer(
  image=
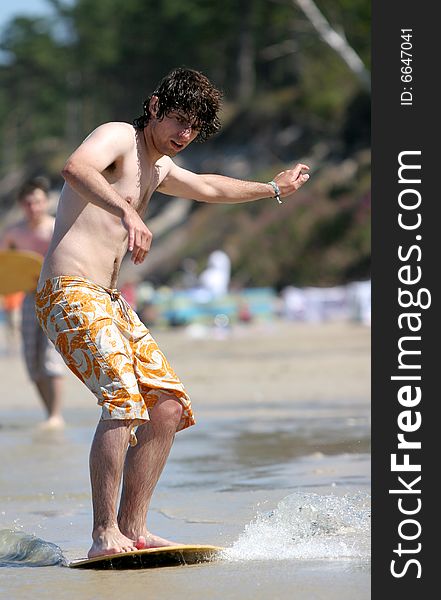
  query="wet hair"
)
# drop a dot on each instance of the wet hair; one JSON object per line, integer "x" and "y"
{"x": 29, "y": 186}
{"x": 191, "y": 93}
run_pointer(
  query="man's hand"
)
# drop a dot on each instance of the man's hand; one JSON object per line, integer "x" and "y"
{"x": 140, "y": 237}
{"x": 291, "y": 180}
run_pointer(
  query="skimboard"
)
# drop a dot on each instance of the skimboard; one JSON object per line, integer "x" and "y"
{"x": 19, "y": 271}
{"x": 150, "y": 558}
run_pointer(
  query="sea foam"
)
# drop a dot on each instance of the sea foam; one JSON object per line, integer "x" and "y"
{"x": 308, "y": 526}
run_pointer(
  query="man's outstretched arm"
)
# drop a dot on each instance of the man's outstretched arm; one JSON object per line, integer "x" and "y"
{"x": 221, "y": 189}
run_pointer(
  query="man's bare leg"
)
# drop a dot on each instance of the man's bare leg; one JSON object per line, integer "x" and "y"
{"x": 143, "y": 467}
{"x": 50, "y": 390}
{"x": 107, "y": 455}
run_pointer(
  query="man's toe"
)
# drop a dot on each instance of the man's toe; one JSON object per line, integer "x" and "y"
{"x": 141, "y": 542}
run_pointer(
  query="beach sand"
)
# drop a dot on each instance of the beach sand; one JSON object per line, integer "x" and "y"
{"x": 277, "y": 469}
{"x": 265, "y": 362}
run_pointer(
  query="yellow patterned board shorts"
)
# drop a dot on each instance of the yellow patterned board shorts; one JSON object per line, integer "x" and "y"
{"x": 103, "y": 342}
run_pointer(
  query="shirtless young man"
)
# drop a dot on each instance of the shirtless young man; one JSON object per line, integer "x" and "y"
{"x": 43, "y": 363}
{"x": 109, "y": 181}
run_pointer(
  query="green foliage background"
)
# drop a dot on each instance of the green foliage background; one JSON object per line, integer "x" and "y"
{"x": 287, "y": 97}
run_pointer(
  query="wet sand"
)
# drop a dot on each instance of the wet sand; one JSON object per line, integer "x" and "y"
{"x": 282, "y": 418}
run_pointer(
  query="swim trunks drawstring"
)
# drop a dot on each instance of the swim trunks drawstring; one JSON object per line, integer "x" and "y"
{"x": 133, "y": 439}
{"x": 115, "y": 295}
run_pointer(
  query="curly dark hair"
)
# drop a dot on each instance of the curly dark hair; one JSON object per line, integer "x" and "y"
{"x": 190, "y": 92}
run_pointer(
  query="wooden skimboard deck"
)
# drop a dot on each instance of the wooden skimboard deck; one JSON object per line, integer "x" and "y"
{"x": 19, "y": 271}
{"x": 150, "y": 558}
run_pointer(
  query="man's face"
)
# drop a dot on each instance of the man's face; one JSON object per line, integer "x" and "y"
{"x": 35, "y": 205}
{"x": 174, "y": 132}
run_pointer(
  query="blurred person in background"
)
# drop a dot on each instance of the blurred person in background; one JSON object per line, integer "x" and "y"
{"x": 11, "y": 305}
{"x": 216, "y": 277}
{"x": 109, "y": 180}
{"x": 43, "y": 363}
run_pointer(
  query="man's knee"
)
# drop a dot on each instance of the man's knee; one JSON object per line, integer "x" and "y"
{"x": 168, "y": 411}
{"x": 173, "y": 410}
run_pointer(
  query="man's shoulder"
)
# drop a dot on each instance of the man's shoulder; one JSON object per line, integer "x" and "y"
{"x": 165, "y": 162}
{"x": 49, "y": 220}
{"x": 119, "y": 125}
{"x": 17, "y": 227}
{"x": 13, "y": 234}
{"x": 115, "y": 129}
{"x": 164, "y": 166}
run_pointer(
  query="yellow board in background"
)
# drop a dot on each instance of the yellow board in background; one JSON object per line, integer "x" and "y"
{"x": 150, "y": 558}
{"x": 19, "y": 271}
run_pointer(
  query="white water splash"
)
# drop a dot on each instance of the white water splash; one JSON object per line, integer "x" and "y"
{"x": 308, "y": 526}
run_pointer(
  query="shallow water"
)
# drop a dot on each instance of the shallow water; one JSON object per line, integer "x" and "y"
{"x": 286, "y": 493}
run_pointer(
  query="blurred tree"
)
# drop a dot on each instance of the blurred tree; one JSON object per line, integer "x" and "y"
{"x": 287, "y": 94}
{"x": 32, "y": 94}
{"x": 336, "y": 40}
{"x": 98, "y": 59}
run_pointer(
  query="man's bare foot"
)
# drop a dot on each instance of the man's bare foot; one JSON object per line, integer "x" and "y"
{"x": 110, "y": 541}
{"x": 54, "y": 422}
{"x": 148, "y": 540}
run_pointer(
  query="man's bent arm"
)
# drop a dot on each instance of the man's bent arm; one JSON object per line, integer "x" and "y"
{"x": 83, "y": 172}
{"x": 83, "y": 169}
{"x": 221, "y": 189}
{"x": 92, "y": 186}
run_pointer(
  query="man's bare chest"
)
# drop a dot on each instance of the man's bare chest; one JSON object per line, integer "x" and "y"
{"x": 134, "y": 182}
{"x": 36, "y": 239}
